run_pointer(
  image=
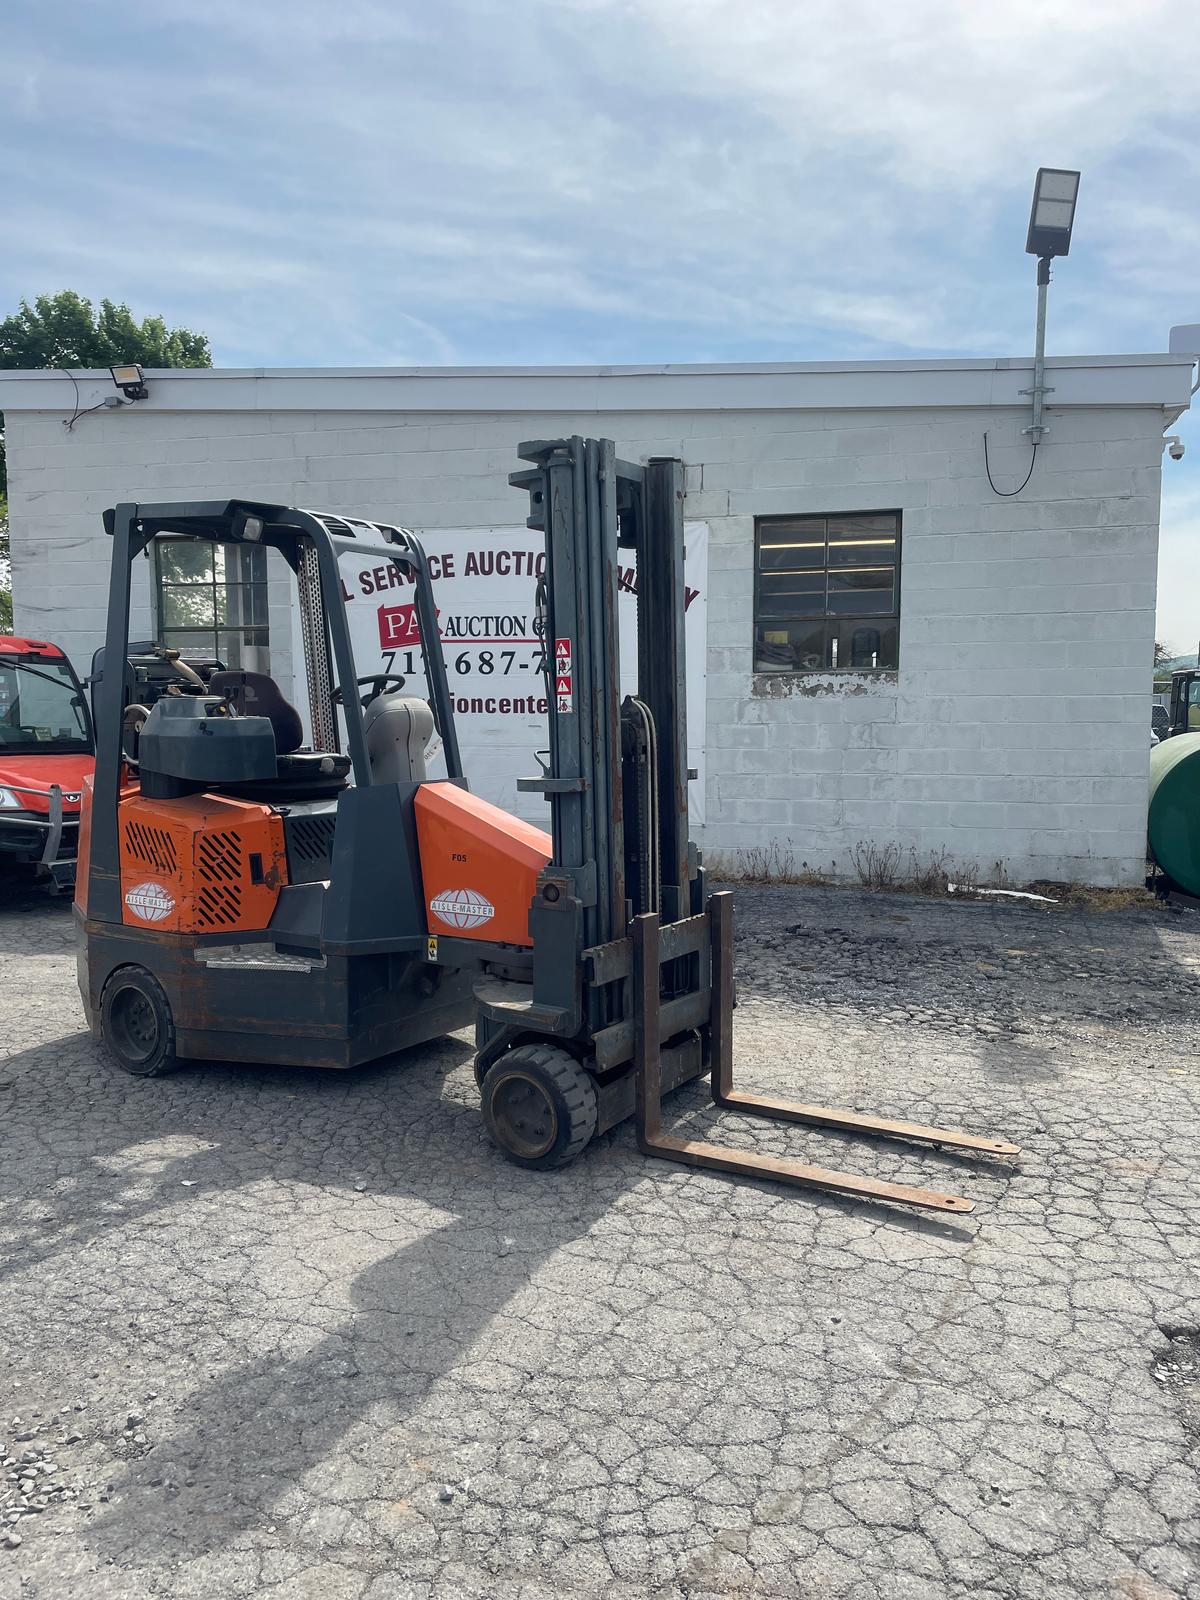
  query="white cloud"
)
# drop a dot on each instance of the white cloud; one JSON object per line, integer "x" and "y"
{"x": 391, "y": 181}
{"x": 766, "y": 171}
{"x": 945, "y": 91}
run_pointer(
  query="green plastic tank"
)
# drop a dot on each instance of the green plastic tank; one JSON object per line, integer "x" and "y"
{"x": 1173, "y": 824}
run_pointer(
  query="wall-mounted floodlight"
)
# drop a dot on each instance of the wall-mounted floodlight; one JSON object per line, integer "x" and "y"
{"x": 1051, "y": 218}
{"x": 131, "y": 381}
{"x": 1052, "y": 213}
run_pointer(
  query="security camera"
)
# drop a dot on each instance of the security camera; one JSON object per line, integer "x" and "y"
{"x": 1175, "y": 447}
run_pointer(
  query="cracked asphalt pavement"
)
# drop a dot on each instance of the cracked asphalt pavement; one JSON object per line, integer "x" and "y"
{"x": 276, "y": 1334}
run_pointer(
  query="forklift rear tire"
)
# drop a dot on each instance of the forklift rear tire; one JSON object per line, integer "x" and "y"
{"x": 136, "y": 1023}
{"x": 539, "y": 1105}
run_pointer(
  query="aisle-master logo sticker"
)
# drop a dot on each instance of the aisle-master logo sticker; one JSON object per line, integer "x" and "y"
{"x": 150, "y": 901}
{"x": 462, "y": 908}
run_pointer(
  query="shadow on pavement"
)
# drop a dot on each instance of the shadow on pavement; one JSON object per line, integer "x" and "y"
{"x": 139, "y": 1154}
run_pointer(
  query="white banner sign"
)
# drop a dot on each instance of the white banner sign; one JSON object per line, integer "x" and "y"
{"x": 484, "y": 585}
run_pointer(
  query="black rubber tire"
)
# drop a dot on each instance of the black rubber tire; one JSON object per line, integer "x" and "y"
{"x": 136, "y": 1024}
{"x": 539, "y": 1106}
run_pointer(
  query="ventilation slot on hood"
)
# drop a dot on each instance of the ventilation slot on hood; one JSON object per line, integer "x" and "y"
{"x": 219, "y": 876}
{"x": 152, "y": 847}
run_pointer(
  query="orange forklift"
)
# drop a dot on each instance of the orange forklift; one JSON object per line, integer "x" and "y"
{"x": 246, "y": 896}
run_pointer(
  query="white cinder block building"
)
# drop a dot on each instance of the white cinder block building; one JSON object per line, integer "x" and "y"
{"x": 897, "y": 652}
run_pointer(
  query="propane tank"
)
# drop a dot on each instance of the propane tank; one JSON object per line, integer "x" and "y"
{"x": 1173, "y": 821}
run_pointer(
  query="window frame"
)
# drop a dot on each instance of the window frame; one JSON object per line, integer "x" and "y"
{"x": 254, "y": 636}
{"x": 826, "y": 618}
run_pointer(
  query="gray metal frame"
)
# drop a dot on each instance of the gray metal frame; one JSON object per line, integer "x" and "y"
{"x": 48, "y": 830}
{"x": 590, "y": 504}
{"x": 329, "y": 650}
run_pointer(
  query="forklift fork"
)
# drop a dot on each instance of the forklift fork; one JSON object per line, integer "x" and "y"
{"x": 647, "y": 1005}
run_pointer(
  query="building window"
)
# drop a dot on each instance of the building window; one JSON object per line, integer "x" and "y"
{"x": 827, "y": 593}
{"x": 211, "y": 600}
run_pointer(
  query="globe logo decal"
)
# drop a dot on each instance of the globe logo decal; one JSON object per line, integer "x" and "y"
{"x": 149, "y": 901}
{"x": 462, "y": 908}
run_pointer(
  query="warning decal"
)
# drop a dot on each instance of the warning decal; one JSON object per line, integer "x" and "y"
{"x": 564, "y": 693}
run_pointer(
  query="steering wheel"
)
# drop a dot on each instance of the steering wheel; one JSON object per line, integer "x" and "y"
{"x": 379, "y": 682}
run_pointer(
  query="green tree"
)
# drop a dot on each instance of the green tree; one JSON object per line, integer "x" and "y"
{"x": 64, "y": 330}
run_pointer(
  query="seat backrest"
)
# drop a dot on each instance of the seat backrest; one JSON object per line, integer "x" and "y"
{"x": 254, "y": 694}
{"x": 398, "y": 729}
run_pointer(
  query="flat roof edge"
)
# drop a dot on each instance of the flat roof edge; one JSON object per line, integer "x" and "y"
{"x": 1155, "y": 379}
{"x": 637, "y": 369}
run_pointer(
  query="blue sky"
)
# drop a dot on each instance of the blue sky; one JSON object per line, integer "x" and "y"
{"x": 389, "y": 182}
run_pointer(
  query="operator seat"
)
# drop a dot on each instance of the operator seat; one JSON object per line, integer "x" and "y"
{"x": 398, "y": 729}
{"x": 301, "y": 774}
{"x": 254, "y": 694}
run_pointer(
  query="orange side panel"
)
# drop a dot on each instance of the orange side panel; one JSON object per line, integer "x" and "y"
{"x": 83, "y": 849}
{"x": 202, "y": 864}
{"x": 479, "y": 865}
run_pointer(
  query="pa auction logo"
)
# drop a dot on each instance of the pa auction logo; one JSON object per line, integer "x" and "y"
{"x": 462, "y": 908}
{"x": 150, "y": 901}
{"x": 399, "y": 627}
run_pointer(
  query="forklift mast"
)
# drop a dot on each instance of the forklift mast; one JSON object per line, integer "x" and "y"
{"x": 591, "y": 506}
{"x": 617, "y": 776}
{"x": 629, "y": 962}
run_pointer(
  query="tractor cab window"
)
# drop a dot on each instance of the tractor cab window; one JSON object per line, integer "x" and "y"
{"x": 42, "y": 710}
{"x": 1193, "y": 706}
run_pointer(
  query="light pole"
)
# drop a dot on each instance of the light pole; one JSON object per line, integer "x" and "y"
{"x": 1050, "y": 221}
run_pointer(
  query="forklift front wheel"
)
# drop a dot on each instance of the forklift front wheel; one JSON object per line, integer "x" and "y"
{"x": 539, "y": 1105}
{"x": 136, "y": 1023}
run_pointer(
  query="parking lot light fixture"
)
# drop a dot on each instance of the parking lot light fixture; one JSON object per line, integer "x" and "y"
{"x": 1051, "y": 218}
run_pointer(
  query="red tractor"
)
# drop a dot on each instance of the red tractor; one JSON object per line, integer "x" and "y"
{"x": 46, "y": 751}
